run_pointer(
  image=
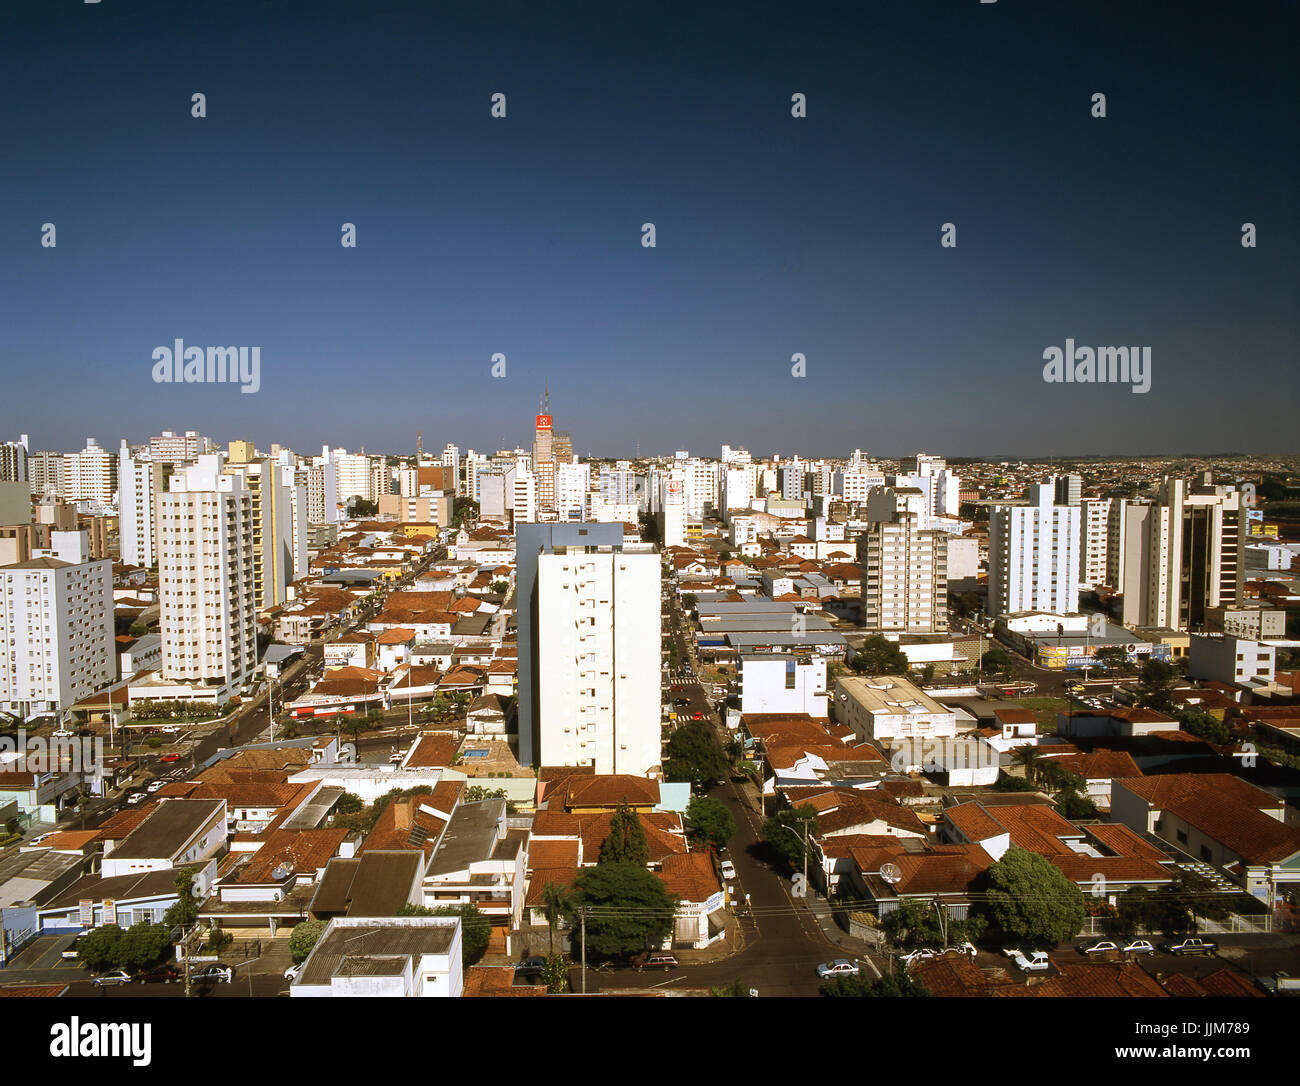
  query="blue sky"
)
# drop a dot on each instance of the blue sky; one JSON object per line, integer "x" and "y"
{"x": 774, "y": 235}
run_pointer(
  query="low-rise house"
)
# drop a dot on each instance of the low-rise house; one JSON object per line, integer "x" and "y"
{"x": 174, "y": 833}
{"x": 1218, "y": 819}
{"x": 391, "y": 956}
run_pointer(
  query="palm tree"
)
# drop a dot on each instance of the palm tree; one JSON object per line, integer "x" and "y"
{"x": 555, "y": 904}
{"x": 1028, "y": 755}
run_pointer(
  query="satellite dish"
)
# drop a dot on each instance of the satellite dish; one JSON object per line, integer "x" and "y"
{"x": 282, "y": 871}
{"x": 891, "y": 873}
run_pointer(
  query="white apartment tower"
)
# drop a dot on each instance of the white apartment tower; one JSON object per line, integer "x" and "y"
{"x": 1034, "y": 555}
{"x": 206, "y": 581}
{"x": 56, "y": 628}
{"x": 1094, "y": 549}
{"x": 598, "y": 658}
{"x": 138, "y": 483}
{"x": 90, "y": 475}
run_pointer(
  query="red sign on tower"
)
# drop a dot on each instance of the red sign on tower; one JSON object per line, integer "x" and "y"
{"x": 543, "y": 422}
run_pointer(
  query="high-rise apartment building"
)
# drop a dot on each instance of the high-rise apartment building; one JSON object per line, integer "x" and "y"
{"x": 589, "y": 632}
{"x": 904, "y": 565}
{"x": 206, "y": 579}
{"x": 1034, "y": 555}
{"x": 90, "y": 475}
{"x": 138, "y": 484}
{"x": 56, "y": 628}
{"x": 1094, "y": 539}
{"x": 46, "y": 473}
{"x": 172, "y": 448}
{"x": 13, "y": 461}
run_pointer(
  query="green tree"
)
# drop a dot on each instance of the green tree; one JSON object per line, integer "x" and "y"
{"x": 709, "y": 819}
{"x": 463, "y": 510}
{"x": 1074, "y": 805}
{"x": 694, "y": 754}
{"x": 143, "y": 945}
{"x": 880, "y": 656}
{"x": 555, "y": 974}
{"x": 1029, "y": 899}
{"x": 475, "y": 927}
{"x": 689, "y": 600}
{"x": 927, "y": 673}
{"x": 476, "y": 792}
{"x": 500, "y": 587}
{"x": 1201, "y": 724}
{"x": 139, "y": 628}
{"x": 625, "y": 842}
{"x": 893, "y": 985}
{"x": 996, "y": 662}
{"x": 785, "y": 831}
{"x": 1029, "y": 756}
{"x": 358, "y": 507}
{"x": 913, "y": 923}
{"x": 737, "y": 989}
{"x": 303, "y": 937}
{"x": 627, "y": 908}
{"x": 100, "y": 948}
{"x": 555, "y": 907}
{"x": 1156, "y": 686}
{"x": 349, "y": 803}
{"x": 186, "y": 909}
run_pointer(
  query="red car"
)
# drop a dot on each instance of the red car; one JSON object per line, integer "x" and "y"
{"x": 698, "y": 716}
{"x": 170, "y": 758}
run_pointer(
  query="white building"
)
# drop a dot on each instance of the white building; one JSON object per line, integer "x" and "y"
{"x": 137, "y": 492}
{"x": 598, "y": 690}
{"x": 672, "y": 509}
{"x": 413, "y": 956}
{"x": 56, "y": 628}
{"x": 90, "y": 475}
{"x": 206, "y": 580}
{"x": 775, "y": 683}
{"x": 888, "y": 707}
{"x": 1034, "y": 555}
{"x": 572, "y": 481}
{"x": 172, "y": 448}
{"x": 354, "y": 476}
{"x": 1233, "y": 660}
{"x": 1094, "y": 538}
{"x": 523, "y": 493}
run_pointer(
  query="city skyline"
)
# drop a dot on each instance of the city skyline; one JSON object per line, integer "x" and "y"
{"x": 776, "y": 236}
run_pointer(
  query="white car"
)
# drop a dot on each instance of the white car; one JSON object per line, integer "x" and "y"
{"x": 1104, "y": 947}
{"x": 921, "y": 954}
{"x": 113, "y": 976}
{"x": 840, "y": 967}
{"x": 153, "y": 786}
{"x": 1035, "y": 962}
{"x": 728, "y": 870}
{"x": 62, "y": 733}
{"x": 1139, "y": 946}
{"x": 171, "y": 729}
{"x": 291, "y": 974}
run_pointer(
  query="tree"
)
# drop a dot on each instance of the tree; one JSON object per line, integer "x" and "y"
{"x": 475, "y": 928}
{"x": 555, "y": 907}
{"x": 913, "y": 923}
{"x": 463, "y": 510}
{"x": 996, "y": 662}
{"x": 1156, "y": 686}
{"x": 186, "y": 910}
{"x": 1074, "y": 805}
{"x": 689, "y": 600}
{"x": 555, "y": 974}
{"x": 303, "y": 937}
{"x": 500, "y": 587}
{"x": 1029, "y": 899}
{"x": 896, "y": 984}
{"x": 143, "y": 945}
{"x": 1028, "y": 755}
{"x": 694, "y": 754}
{"x": 358, "y": 507}
{"x": 927, "y": 673}
{"x": 709, "y": 818}
{"x": 737, "y": 989}
{"x": 99, "y": 949}
{"x": 627, "y": 908}
{"x": 349, "y": 804}
{"x": 1189, "y": 896}
{"x": 785, "y": 832}
{"x": 625, "y": 842}
{"x": 139, "y": 628}
{"x": 880, "y": 656}
{"x": 1201, "y": 724}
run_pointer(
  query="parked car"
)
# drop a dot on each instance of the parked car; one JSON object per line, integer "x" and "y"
{"x": 164, "y": 974}
{"x": 530, "y": 966}
{"x": 960, "y": 948}
{"x": 1192, "y": 945}
{"x": 213, "y": 973}
{"x": 291, "y": 974}
{"x": 171, "y": 729}
{"x": 62, "y": 733}
{"x": 1139, "y": 946}
{"x": 840, "y": 967}
{"x": 136, "y": 798}
{"x": 113, "y": 976}
{"x": 921, "y": 954}
{"x": 728, "y": 870}
{"x": 154, "y": 785}
{"x": 658, "y": 961}
{"x": 1103, "y": 947}
{"x": 1034, "y": 962}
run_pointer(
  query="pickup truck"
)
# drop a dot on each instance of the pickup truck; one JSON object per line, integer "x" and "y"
{"x": 1191, "y": 946}
{"x": 1035, "y": 962}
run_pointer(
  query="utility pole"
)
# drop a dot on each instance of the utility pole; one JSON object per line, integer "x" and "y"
{"x": 583, "y": 913}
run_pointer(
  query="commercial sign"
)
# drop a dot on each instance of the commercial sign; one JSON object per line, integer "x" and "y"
{"x": 86, "y": 912}
{"x": 543, "y": 422}
{"x": 110, "y": 911}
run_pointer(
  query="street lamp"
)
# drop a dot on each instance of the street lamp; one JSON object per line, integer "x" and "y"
{"x": 804, "y": 827}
